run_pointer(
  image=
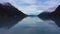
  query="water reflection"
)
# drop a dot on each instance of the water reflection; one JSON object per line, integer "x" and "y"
{"x": 33, "y": 25}
{"x": 9, "y": 22}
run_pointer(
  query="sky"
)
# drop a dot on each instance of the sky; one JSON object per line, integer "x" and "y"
{"x": 34, "y": 7}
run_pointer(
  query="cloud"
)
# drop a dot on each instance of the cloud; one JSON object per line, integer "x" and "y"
{"x": 33, "y": 6}
{"x": 1, "y": 1}
{"x": 47, "y": 5}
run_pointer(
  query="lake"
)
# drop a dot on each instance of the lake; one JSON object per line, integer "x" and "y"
{"x": 31, "y": 25}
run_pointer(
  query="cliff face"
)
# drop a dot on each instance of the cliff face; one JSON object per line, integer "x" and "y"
{"x": 9, "y": 15}
{"x": 55, "y": 15}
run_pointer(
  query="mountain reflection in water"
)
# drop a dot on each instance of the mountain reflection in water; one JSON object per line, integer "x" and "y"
{"x": 32, "y": 25}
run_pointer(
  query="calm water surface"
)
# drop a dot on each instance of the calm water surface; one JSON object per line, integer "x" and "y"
{"x": 32, "y": 25}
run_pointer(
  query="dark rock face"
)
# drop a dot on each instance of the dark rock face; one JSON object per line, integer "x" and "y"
{"x": 55, "y": 15}
{"x": 9, "y": 15}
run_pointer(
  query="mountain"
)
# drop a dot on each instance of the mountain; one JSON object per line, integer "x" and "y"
{"x": 9, "y": 15}
{"x": 55, "y": 15}
{"x": 44, "y": 15}
{"x": 8, "y": 10}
